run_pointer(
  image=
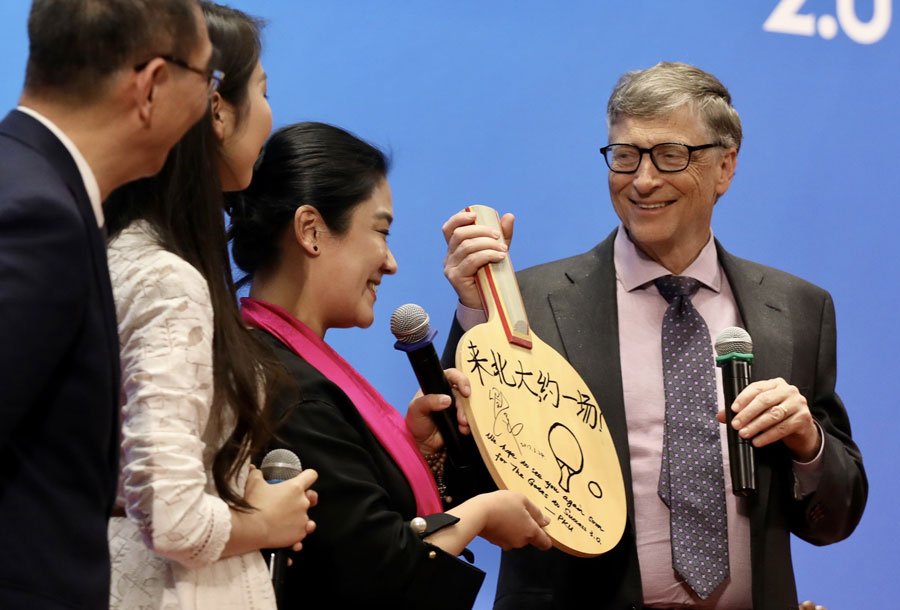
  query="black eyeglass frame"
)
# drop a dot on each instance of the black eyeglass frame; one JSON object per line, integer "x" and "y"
{"x": 213, "y": 76}
{"x": 642, "y": 151}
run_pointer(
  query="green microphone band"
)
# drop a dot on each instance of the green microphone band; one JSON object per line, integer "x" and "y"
{"x": 734, "y": 356}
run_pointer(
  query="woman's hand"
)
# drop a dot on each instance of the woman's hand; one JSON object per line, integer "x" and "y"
{"x": 418, "y": 415}
{"x": 279, "y": 516}
{"x": 513, "y": 521}
{"x": 505, "y": 518}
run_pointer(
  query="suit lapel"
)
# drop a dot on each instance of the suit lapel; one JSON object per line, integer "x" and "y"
{"x": 587, "y": 319}
{"x": 765, "y": 314}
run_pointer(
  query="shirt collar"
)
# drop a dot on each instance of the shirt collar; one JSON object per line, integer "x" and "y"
{"x": 635, "y": 269}
{"x": 87, "y": 176}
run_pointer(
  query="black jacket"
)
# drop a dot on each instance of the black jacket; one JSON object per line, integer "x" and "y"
{"x": 363, "y": 553}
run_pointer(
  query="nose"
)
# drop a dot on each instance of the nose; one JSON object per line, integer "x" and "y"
{"x": 390, "y": 263}
{"x": 646, "y": 177}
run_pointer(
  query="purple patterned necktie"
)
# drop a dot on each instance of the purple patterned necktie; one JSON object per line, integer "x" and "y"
{"x": 691, "y": 480}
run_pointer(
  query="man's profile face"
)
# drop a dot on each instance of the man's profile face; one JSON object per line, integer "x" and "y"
{"x": 669, "y": 212}
{"x": 186, "y": 96}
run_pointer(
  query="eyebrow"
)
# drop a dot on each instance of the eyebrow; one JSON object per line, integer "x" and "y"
{"x": 384, "y": 216}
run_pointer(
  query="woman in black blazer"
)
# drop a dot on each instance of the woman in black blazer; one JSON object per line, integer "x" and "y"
{"x": 311, "y": 233}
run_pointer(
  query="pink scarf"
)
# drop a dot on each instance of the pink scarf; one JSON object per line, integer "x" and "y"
{"x": 383, "y": 420}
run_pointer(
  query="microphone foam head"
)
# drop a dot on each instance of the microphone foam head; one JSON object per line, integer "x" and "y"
{"x": 733, "y": 340}
{"x": 280, "y": 465}
{"x": 410, "y": 323}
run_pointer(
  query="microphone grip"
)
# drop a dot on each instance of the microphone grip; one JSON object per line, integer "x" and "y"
{"x": 461, "y": 450}
{"x": 277, "y": 466}
{"x": 736, "y": 377}
{"x": 277, "y": 569}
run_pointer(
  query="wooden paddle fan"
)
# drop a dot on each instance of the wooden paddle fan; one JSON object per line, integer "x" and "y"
{"x": 537, "y": 426}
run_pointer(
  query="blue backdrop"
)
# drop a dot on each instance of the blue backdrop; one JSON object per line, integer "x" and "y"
{"x": 503, "y": 103}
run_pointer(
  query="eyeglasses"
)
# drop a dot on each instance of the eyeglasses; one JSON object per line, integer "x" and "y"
{"x": 213, "y": 77}
{"x": 667, "y": 156}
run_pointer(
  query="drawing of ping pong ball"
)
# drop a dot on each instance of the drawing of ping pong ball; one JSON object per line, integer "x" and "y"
{"x": 567, "y": 451}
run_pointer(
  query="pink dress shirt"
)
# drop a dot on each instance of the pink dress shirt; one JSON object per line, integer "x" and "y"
{"x": 641, "y": 310}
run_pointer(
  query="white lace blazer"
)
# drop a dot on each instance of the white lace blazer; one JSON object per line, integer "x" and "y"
{"x": 166, "y": 553}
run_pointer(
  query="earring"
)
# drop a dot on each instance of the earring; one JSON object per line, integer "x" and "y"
{"x": 315, "y": 248}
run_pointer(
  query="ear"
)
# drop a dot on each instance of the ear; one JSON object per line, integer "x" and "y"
{"x": 222, "y": 117}
{"x": 726, "y": 167}
{"x": 146, "y": 88}
{"x": 308, "y": 225}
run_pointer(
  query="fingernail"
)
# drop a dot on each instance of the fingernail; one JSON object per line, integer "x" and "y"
{"x": 445, "y": 400}
{"x": 745, "y": 432}
{"x": 495, "y": 233}
{"x": 736, "y": 423}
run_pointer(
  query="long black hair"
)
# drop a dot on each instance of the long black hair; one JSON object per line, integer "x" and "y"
{"x": 309, "y": 163}
{"x": 184, "y": 204}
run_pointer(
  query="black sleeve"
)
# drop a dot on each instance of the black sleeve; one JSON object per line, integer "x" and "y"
{"x": 363, "y": 550}
{"x": 831, "y": 512}
{"x": 44, "y": 272}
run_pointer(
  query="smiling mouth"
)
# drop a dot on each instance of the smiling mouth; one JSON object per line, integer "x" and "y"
{"x": 372, "y": 286}
{"x": 652, "y": 206}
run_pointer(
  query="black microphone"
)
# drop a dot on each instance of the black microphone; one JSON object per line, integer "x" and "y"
{"x": 735, "y": 357}
{"x": 279, "y": 465}
{"x": 410, "y": 325}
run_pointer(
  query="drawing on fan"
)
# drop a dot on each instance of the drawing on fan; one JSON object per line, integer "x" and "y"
{"x": 567, "y": 451}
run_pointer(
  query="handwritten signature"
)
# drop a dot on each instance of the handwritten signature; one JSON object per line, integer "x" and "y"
{"x": 502, "y": 423}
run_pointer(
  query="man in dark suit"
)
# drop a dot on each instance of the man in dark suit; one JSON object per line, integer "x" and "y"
{"x": 674, "y": 139}
{"x": 110, "y": 86}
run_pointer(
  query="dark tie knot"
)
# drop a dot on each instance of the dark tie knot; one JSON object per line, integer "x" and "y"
{"x": 671, "y": 286}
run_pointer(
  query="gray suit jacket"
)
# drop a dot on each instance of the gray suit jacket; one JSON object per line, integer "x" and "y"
{"x": 571, "y": 305}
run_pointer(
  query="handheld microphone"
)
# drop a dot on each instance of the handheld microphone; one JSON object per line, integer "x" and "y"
{"x": 734, "y": 350}
{"x": 279, "y": 465}
{"x": 410, "y": 325}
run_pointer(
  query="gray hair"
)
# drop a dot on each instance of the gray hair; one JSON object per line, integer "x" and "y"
{"x": 666, "y": 87}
